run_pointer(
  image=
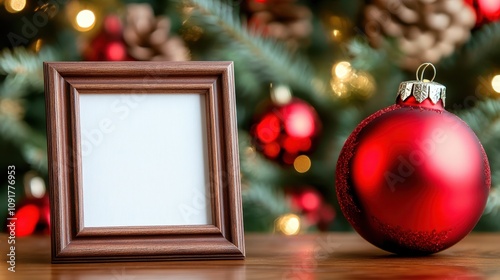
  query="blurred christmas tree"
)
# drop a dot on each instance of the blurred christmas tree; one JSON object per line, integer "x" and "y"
{"x": 307, "y": 72}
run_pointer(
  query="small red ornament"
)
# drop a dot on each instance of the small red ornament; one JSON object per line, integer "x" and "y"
{"x": 486, "y": 10}
{"x": 27, "y": 218}
{"x": 33, "y": 216}
{"x": 108, "y": 45}
{"x": 412, "y": 178}
{"x": 307, "y": 200}
{"x": 310, "y": 202}
{"x": 286, "y": 131}
{"x": 322, "y": 217}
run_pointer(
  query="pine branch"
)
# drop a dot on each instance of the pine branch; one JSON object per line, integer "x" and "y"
{"x": 493, "y": 205}
{"x": 23, "y": 71}
{"x": 23, "y": 74}
{"x": 32, "y": 144}
{"x": 269, "y": 59}
{"x": 365, "y": 57}
{"x": 484, "y": 119}
{"x": 262, "y": 205}
{"x": 262, "y": 201}
{"x": 254, "y": 167}
{"x": 479, "y": 52}
{"x": 484, "y": 44}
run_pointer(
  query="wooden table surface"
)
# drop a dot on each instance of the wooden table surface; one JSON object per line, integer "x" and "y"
{"x": 324, "y": 256}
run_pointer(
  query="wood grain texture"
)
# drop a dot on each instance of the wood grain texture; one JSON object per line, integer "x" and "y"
{"x": 71, "y": 240}
{"x": 322, "y": 256}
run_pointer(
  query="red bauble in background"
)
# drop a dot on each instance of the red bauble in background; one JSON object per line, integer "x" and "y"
{"x": 108, "y": 44}
{"x": 283, "y": 132}
{"x": 412, "y": 178}
{"x": 309, "y": 202}
{"x": 33, "y": 215}
{"x": 486, "y": 10}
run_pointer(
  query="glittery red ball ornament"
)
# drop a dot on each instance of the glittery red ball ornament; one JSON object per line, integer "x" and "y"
{"x": 412, "y": 178}
{"x": 284, "y": 132}
{"x": 486, "y": 10}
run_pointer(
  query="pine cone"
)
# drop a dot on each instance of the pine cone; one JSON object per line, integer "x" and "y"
{"x": 426, "y": 30}
{"x": 281, "y": 19}
{"x": 148, "y": 38}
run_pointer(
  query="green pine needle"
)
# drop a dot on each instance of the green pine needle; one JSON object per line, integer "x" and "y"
{"x": 269, "y": 59}
{"x": 31, "y": 143}
{"x": 254, "y": 167}
{"x": 480, "y": 51}
{"x": 484, "y": 119}
{"x": 493, "y": 205}
{"x": 262, "y": 205}
{"x": 22, "y": 70}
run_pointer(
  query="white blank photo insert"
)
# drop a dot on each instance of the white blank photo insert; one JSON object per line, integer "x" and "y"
{"x": 144, "y": 160}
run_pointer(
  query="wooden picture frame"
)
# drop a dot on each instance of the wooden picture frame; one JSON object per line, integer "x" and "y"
{"x": 73, "y": 90}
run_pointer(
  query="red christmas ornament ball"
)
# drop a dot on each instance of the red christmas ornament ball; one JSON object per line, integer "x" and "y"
{"x": 108, "y": 44}
{"x": 412, "y": 178}
{"x": 310, "y": 203}
{"x": 283, "y": 132}
{"x": 33, "y": 216}
{"x": 27, "y": 218}
{"x": 307, "y": 200}
{"x": 486, "y": 10}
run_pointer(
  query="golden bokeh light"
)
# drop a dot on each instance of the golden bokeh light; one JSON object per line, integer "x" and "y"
{"x": 302, "y": 164}
{"x": 364, "y": 85}
{"x": 288, "y": 224}
{"x": 85, "y": 20}
{"x": 342, "y": 70}
{"x": 340, "y": 28}
{"x": 34, "y": 185}
{"x": 37, "y": 187}
{"x": 495, "y": 83}
{"x": 339, "y": 88}
{"x": 38, "y": 45}
{"x": 15, "y": 6}
{"x": 281, "y": 94}
{"x": 335, "y": 33}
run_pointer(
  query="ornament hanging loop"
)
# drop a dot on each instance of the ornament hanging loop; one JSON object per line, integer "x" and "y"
{"x": 423, "y": 89}
{"x": 425, "y": 65}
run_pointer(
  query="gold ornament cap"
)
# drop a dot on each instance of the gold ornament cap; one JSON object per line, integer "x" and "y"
{"x": 423, "y": 89}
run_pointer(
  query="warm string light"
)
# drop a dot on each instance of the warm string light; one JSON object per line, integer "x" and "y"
{"x": 346, "y": 80}
{"x": 85, "y": 20}
{"x": 495, "y": 83}
{"x": 364, "y": 84}
{"x": 34, "y": 185}
{"x": 15, "y": 6}
{"x": 340, "y": 28}
{"x": 302, "y": 164}
{"x": 280, "y": 94}
{"x": 339, "y": 88}
{"x": 288, "y": 224}
{"x": 342, "y": 70}
{"x": 38, "y": 45}
{"x": 336, "y": 33}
